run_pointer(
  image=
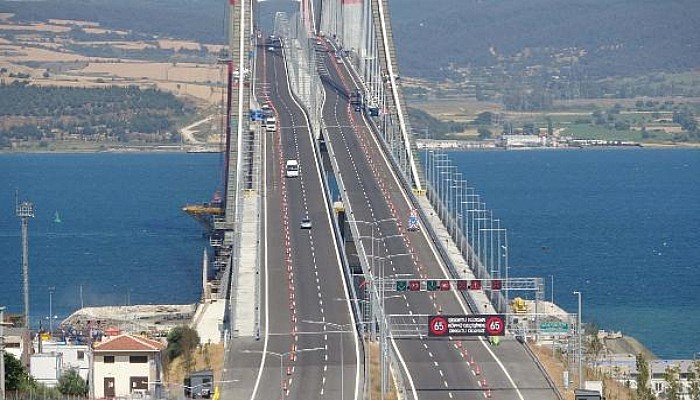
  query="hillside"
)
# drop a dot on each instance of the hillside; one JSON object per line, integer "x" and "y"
{"x": 603, "y": 37}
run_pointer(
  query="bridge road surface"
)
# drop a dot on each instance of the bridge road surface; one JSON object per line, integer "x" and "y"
{"x": 437, "y": 367}
{"x": 303, "y": 279}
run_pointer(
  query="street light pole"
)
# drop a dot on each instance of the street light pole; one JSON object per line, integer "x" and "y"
{"x": 2, "y": 352}
{"x": 552, "y": 289}
{"x": 52, "y": 289}
{"x": 578, "y": 325}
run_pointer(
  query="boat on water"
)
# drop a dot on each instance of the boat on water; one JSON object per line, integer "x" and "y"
{"x": 56, "y": 218}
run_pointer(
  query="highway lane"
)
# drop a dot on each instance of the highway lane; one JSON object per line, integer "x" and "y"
{"x": 305, "y": 280}
{"x": 438, "y": 368}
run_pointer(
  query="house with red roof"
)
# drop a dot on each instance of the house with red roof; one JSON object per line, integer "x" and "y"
{"x": 127, "y": 366}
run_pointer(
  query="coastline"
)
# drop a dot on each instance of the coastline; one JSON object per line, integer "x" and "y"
{"x": 132, "y": 149}
{"x": 432, "y": 144}
{"x": 474, "y": 145}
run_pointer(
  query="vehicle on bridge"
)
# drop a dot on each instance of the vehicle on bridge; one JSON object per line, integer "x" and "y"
{"x": 305, "y": 223}
{"x": 271, "y": 124}
{"x": 292, "y": 168}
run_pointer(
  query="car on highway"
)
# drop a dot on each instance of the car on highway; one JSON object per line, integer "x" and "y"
{"x": 271, "y": 124}
{"x": 305, "y": 223}
{"x": 292, "y": 168}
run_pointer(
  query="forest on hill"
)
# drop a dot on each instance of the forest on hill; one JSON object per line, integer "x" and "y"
{"x": 597, "y": 38}
{"x": 602, "y": 37}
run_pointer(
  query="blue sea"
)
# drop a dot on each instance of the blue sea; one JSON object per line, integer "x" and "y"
{"x": 621, "y": 226}
{"x": 122, "y": 235}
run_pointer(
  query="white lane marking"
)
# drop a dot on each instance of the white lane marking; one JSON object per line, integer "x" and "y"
{"x": 267, "y": 286}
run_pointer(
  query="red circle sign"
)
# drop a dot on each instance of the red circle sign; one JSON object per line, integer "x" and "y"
{"x": 495, "y": 326}
{"x": 438, "y": 326}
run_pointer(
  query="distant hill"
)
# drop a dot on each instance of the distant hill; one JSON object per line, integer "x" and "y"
{"x": 200, "y": 20}
{"x": 615, "y": 37}
{"x": 603, "y": 38}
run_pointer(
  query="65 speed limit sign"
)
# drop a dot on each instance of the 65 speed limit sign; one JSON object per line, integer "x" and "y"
{"x": 437, "y": 326}
{"x": 466, "y": 325}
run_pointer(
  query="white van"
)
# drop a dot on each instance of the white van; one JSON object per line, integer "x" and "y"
{"x": 271, "y": 124}
{"x": 292, "y": 168}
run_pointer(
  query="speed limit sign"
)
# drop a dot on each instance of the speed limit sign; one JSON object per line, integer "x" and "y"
{"x": 438, "y": 326}
{"x": 495, "y": 325}
{"x": 466, "y": 325}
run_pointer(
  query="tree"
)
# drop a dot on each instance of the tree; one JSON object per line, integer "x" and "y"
{"x": 484, "y": 133}
{"x": 643, "y": 388}
{"x": 484, "y": 118}
{"x": 182, "y": 341}
{"x": 71, "y": 383}
{"x": 673, "y": 382}
{"x": 16, "y": 376}
{"x": 594, "y": 348}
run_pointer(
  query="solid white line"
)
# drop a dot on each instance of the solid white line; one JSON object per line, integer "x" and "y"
{"x": 267, "y": 249}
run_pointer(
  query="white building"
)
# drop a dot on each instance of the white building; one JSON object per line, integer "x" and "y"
{"x": 658, "y": 369}
{"x": 46, "y": 368}
{"x": 127, "y": 366}
{"x": 74, "y": 355}
{"x": 15, "y": 338}
{"x": 523, "y": 141}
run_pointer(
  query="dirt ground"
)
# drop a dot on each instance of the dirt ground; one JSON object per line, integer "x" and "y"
{"x": 555, "y": 366}
{"x": 175, "y": 374}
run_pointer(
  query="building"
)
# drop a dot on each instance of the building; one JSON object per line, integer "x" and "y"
{"x": 510, "y": 141}
{"x": 46, "y": 368}
{"x": 15, "y": 340}
{"x": 74, "y": 355}
{"x": 658, "y": 370}
{"x": 623, "y": 368}
{"x": 127, "y": 366}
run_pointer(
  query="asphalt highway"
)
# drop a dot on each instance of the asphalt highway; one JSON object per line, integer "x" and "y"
{"x": 307, "y": 325}
{"x": 432, "y": 368}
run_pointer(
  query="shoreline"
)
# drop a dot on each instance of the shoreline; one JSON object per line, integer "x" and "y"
{"x": 446, "y": 145}
{"x": 121, "y": 150}
{"x": 471, "y": 145}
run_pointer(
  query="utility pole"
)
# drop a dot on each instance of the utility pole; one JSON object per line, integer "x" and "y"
{"x": 2, "y": 352}
{"x": 578, "y": 326}
{"x": 25, "y": 210}
{"x": 52, "y": 289}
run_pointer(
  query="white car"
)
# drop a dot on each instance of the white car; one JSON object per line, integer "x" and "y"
{"x": 306, "y": 223}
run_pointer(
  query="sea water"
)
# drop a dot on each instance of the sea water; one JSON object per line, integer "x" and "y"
{"x": 619, "y": 225}
{"x": 122, "y": 236}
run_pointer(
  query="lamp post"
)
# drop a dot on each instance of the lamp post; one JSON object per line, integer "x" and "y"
{"x": 2, "y": 352}
{"x": 281, "y": 356}
{"x": 52, "y": 289}
{"x": 552, "y": 289}
{"x": 578, "y": 326}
